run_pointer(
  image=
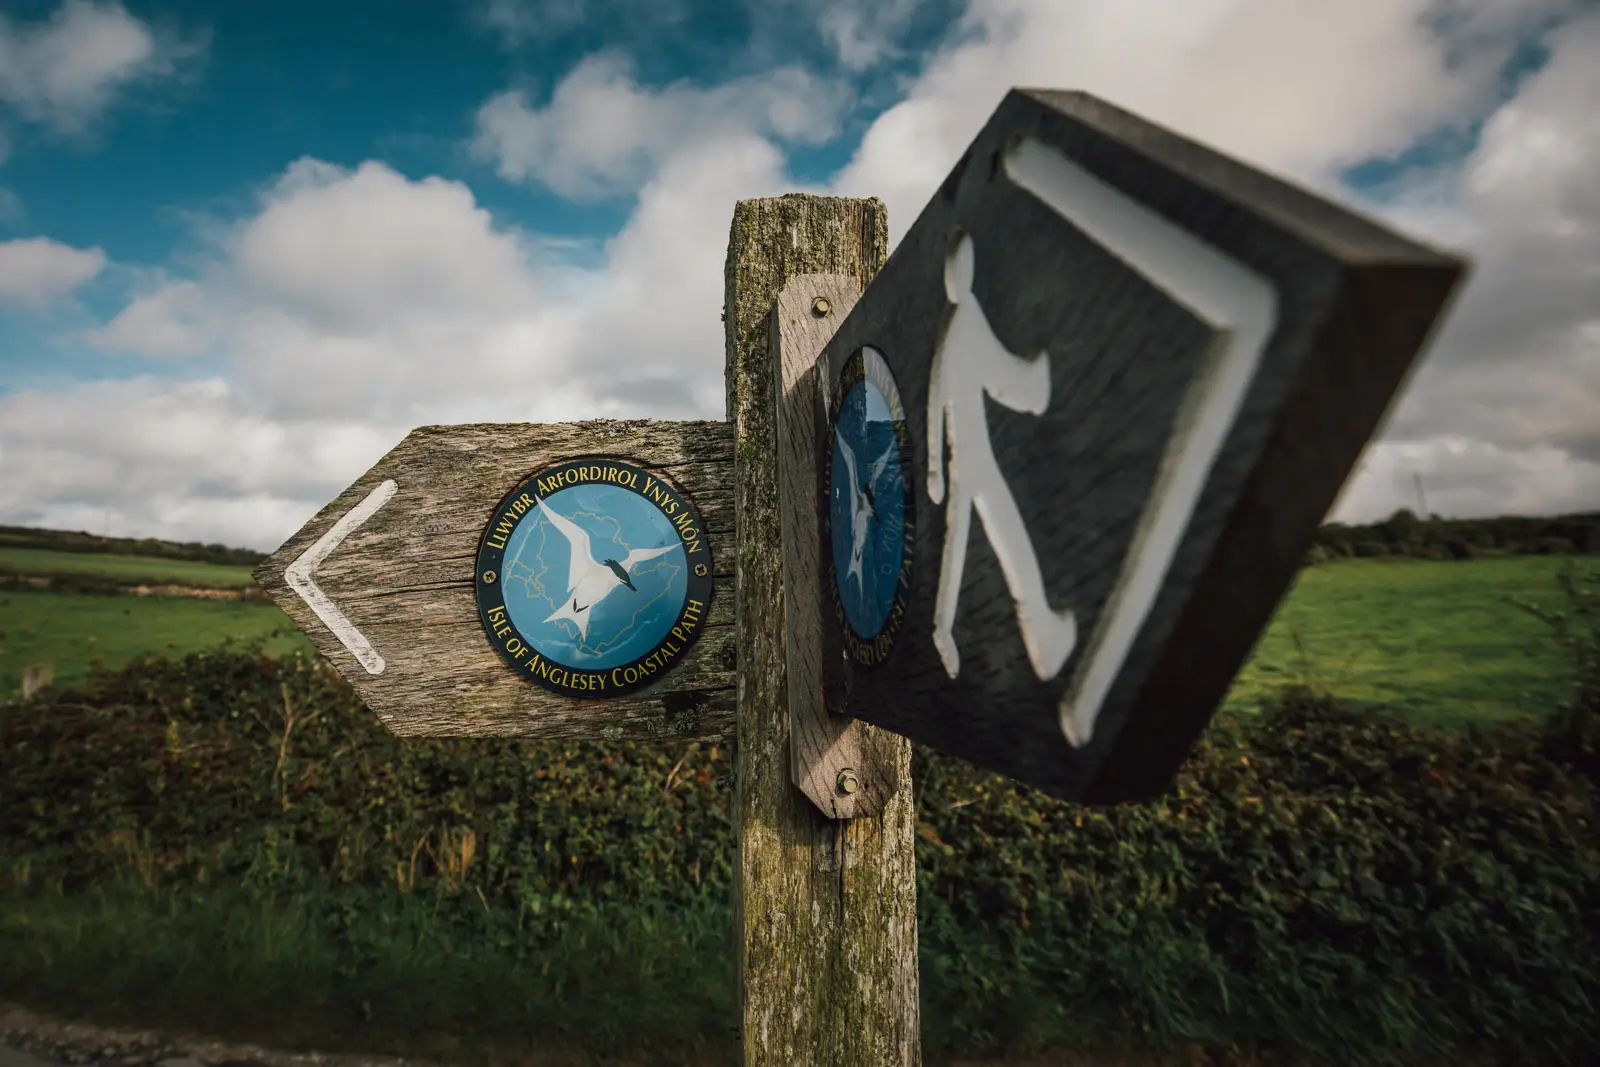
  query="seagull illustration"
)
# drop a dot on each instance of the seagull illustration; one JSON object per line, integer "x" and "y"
{"x": 862, "y": 506}
{"x": 589, "y": 580}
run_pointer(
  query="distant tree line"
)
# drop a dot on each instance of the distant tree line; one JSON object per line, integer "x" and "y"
{"x": 68, "y": 541}
{"x": 1401, "y": 534}
{"x": 1406, "y": 534}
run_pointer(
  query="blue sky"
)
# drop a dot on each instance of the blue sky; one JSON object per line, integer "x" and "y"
{"x": 253, "y": 91}
{"x": 373, "y": 80}
{"x": 258, "y": 241}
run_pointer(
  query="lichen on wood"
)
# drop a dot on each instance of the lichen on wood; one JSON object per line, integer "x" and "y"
{"x": 826, "y": 910}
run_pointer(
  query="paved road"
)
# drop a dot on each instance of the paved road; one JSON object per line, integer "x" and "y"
{"x": 14, "y": 1057}
{"x": 11, "y": 1056}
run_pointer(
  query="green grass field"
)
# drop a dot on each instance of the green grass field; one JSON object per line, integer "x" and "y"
{"x": 1438, "y": 642}
{"x": 69, "y": 631}
{"x": 133, "y": 569}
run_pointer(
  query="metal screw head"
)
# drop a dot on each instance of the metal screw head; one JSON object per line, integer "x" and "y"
{"x": 848, "y": 782}
{"x": 488, "y": 577}
{"x": 820, "y": 306}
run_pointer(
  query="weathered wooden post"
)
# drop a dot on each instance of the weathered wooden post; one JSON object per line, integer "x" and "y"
{"x": 826, "y": 908}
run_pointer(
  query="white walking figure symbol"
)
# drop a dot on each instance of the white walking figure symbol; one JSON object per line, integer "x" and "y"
{"x": 969, "y": 363}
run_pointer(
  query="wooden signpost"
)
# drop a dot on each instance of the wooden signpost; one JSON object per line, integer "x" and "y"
{"x": 388, "y": 581}
{"x": 1027, "y": 495}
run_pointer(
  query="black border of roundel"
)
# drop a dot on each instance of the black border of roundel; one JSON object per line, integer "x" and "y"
{"x": 489, "y": 559}
{"x": 837, "y": 392}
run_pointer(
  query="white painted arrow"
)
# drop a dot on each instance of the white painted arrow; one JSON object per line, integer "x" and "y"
{"x": 301, "y": 575}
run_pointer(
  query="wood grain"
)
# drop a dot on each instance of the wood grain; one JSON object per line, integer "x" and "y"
{"x": 405, "y": 579}
{"x": 824, "y": 747}
{"x": 826, "y": 909}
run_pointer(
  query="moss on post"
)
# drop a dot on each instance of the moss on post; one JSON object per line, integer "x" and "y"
{"x": 826, "y": 910}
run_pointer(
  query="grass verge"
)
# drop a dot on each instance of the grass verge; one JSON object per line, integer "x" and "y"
{"x": 351, "y": 970}
{"x": 133, "y": 569}
{"x": 77, "y": 633}
{"x": 1438, "y": 643}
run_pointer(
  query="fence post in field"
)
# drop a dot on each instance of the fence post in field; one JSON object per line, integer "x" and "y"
{"x": 36, "y": 678}
{"x": 825, "y": 907}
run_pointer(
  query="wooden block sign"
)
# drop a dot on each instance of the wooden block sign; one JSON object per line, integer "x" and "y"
{"x": 528, "y": 580}
{"x": 1083, "y": 427}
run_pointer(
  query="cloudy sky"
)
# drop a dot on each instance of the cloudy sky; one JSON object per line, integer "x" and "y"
{"x": 245, "y": 247}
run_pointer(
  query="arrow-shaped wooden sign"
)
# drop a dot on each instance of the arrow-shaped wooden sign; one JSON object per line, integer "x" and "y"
{"x": 387, "y": 582}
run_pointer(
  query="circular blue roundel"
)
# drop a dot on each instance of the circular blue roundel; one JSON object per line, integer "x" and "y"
{"x": 869, "y": 506}
{"x": 594, "y": 577}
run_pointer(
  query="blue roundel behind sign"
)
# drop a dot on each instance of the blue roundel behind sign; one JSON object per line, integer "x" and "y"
{"x": 869, "y": 506}
{"x": 594, "y": 577}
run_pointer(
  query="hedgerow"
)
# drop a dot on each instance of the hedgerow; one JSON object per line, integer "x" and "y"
{"x": 1319, "y": 882}
{"x": 1405, "y": 534}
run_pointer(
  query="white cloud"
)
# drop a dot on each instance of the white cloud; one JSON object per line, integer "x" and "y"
{"x": 603, "y": 134}
{"x": 518, "y": 20}
{"x": 1519, "y": 363}
{"x": 1308, "y": 90}
{"x": 356, "y": 303}
{"x": 365, "y": 294}
{"x": 655, "y": 330}
{"x": 66, "y": 70}
{"x": 1298, "y": 88}
{"x": 188, "y": 461}
{"x": 36, "y": 270}
{"x": 864, "y": 32}
{"x": 1516, "y": 371}
{"x": 174, "y": 320}
{"x": 351, "y": 251}
{"x": 1464, "y": 477}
